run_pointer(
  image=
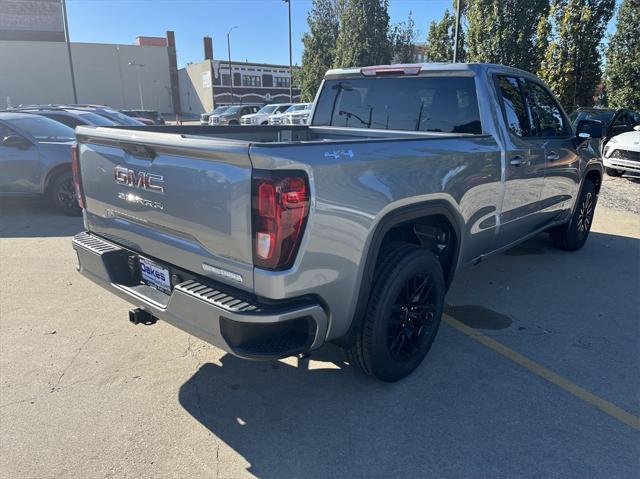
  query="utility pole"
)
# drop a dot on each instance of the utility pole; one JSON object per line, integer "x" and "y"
{"x": 230, "y": 71}
{"x": 455, "y": 39}
{"x": 288, "y": 2}
{"x": 67, "y": 41}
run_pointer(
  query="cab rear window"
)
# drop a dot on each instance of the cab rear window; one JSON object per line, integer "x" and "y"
{"x": 437, "y": 104}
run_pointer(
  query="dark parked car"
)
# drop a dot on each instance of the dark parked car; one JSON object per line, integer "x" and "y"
{"x": 68, "y": 116}
{"x": 152, "y": 115}
{"x": 616, "y": 121}
{"x": 109, "y": 113}
{"x": 35, "y": 159}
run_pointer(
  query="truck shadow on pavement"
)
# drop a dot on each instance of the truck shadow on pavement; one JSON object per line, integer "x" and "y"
{"x": 34, "y": 217}
{"x": 464, "y": 407}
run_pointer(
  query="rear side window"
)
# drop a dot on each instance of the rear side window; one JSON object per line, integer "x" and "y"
{"x": 548, "y": 120}
{"x": 514, "y": 106}
{"x": 438, "y": 104}
{"x": 70, "y": 121}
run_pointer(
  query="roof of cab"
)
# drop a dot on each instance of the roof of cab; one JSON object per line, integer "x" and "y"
{"x": 458, "y": 68}
{"x": 10, "y": 115}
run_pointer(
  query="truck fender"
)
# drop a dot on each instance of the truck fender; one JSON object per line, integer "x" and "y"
{"x": 387, "y": 223}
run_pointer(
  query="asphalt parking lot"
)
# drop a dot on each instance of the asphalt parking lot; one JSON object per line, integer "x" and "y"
{"x": 534, "y": 374}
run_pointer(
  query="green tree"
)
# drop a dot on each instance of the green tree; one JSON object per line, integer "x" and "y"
{"x": 504, "y": 31}
{"x": 363, "y": 37}
{"x": 571, "y": 64}
{"x": 319, "y": 45}
{"x": 402, "y": 40}
{"x": 623, "y": 58}
{"x": 440, "y": 39}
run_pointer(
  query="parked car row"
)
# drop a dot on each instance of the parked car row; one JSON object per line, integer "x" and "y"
{"x": 36, "y": 146}
{"x": 252, "y": 114}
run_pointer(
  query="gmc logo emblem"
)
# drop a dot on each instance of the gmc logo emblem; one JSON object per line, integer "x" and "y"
{"x": 141, "y": 180}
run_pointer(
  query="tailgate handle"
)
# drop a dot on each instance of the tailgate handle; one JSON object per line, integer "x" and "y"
{"x": 141, "y": 151}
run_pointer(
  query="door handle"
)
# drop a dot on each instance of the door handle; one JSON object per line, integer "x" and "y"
{"x": 553, "y": 156}
{"x": 516, "y": 161}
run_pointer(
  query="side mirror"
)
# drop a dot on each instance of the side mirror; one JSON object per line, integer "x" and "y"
{"x": 636, "y": 128}
{"x": 586, "y": 129}
{"x": 15, "y": 141}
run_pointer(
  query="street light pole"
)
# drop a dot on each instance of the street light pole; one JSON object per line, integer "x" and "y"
{"x": 229, "y": 51}
{"x": 288, "y": 2}
{"x": 68, "y": 42}
{"x": 455, "y": 39}
{"x": 139, "y": 65}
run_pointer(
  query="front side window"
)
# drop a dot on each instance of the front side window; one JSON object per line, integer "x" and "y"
{"x": 625, "y": 119}
{"x": 548, "y": 120}
{"x": 437, "y": 104}
{"x": 514, "y": 106}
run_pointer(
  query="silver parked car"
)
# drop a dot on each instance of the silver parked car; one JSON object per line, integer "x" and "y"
{"x": 35, "y": 159}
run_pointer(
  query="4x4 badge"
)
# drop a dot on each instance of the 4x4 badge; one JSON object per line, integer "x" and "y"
{"x": 336, "y": 154}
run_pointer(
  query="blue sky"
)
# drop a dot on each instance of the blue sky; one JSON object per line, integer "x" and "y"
{"x": 261, "y": 36}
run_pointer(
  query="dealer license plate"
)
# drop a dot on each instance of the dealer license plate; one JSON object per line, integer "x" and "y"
{"x": 155, "y": 275}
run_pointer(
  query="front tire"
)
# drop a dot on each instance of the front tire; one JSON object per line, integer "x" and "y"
{"x": 62, "y": 194}
{"x": 573, "y": 235}
{"x": 613, "y": 171}
{"x": 403, "y": 314}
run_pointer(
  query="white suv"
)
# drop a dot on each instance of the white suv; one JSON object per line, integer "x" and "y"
{"x": 262, "y": 116}
{"x": 622, "y": 153}
{"x": 279, "y": 118}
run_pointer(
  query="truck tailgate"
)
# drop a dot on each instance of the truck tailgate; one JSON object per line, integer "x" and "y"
{"x": 174, "y": 198}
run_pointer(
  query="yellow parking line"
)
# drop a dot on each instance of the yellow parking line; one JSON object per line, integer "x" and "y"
{"x": 605, "y": 406}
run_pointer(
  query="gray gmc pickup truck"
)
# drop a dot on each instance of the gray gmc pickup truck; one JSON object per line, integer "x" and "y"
{"x": 271, "y": 241}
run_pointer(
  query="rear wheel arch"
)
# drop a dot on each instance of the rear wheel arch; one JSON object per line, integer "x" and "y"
{"x": 53, "y": 173}
{"x": 416, "y": 224}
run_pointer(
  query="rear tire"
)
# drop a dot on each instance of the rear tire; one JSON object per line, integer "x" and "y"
{"x": 403, "y": 314}
{"x": 62, "y": 194}
{"x": 573, "y": 235}
{"x": 613, "y": 171}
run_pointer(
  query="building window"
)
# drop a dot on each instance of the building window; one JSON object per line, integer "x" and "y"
{"x": 250, "y": 80}
{"x": 226, "y": 79}
{"x": 282, "y": 82}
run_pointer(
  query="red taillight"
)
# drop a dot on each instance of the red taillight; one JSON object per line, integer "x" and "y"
{"x": 280, "y": 207}
{"x": 75, "y": 169}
